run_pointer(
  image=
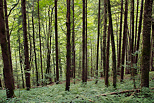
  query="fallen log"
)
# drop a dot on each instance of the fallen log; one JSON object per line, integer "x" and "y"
{"x": 126, "y": 91}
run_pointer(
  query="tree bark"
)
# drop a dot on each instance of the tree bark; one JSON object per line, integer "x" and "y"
{"x": 56, "y": 42}
{"x": 20, "y": 58}
{"x": 68, "y": 24}
{"x": 40, "y": 43}
{"x": 120, "y": 35}
{"x": 27, "y": 66}
{"x": 124, "y": 40}
{"x": 113, "y": 46}
{"x": 132, "y": 44}
{"x": 104, "y": 36}
{"x": 35, "y": 56}
{"x": 7, "y": 70}
{"x": 98, "y": 41}
{"x": 86, "y": 49}
{"x": 107, "y": 58}
{"x": 83, "y": 46}
{"x": 139, "y": 30}
{"x": 73, "y": 40}
{"x": 146, "y": 44}
{"x": 152, "y": 68}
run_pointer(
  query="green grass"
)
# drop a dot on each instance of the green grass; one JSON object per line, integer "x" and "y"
{"x": 81, "y": 93}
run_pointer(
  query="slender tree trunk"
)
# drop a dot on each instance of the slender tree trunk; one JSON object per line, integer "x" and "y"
{"x": 79, "y": 70}
{"x": 152, "y": 68}
{"x": 124, "y": 40}
{"x": 27, "y": 67}
{"x": 107, "y": 58}
{"x": 136, "y": 25}
{"x": 99, "y": 4}
{"x": 92, "y": 61}
{"x": 73, "y": 40}
{"x": 16, "y": 70}
{"x": 83, "y": 46}
{"x": 40, "y": 42}
{"x": 104, "y": 35}
{"x": 86, "y": 66}
{"x": 20, "y": 59}
{"x": 56, "y": 42}
{"x": 120, "y": 35}
{"x": 7, "y": 70}
{"x": 132, "y": 43}
{"x": 101, "y": 64}
{"x": 68, "y": 24}
{"x": 113, "y": 45}
{"x": 139, "y": 30}
{"x": 34, "y": 45}
{"x": 146, "y": 44}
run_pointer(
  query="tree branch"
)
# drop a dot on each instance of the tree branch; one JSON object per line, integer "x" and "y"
{"x": 13, "y": 8}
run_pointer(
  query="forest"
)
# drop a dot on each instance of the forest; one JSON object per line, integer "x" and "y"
{"x": 76, "y": 51}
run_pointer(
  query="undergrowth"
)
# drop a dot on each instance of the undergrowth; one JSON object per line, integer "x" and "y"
{"x": 80, "y": 93}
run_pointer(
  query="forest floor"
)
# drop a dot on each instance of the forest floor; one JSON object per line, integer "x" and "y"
{"x": 91, "y": 92}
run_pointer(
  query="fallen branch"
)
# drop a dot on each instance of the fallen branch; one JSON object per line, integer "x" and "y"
{"x": 126, "y": 91}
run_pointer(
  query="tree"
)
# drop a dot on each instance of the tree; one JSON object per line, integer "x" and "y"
{"x": 68, "y": 56}
{"x": 83, "y": 45}
{"x": 40, "y": 45}
{"x": 146, "y": 43}
{"x": 113, "y": 45}
{"x": 107, "y": 58}
{"x": 99, "y": 4}
{"x": 120, "y": 34}
{"x": 104, "y": 36}
{"x": 139, "y": 30}
{"x": 27, "y": 67}
{"x": 73, "y": 40}
{"x": 124, "y": 39}
{"x": 7, "y": 70}
{"x": 56, "y": 42}
{"x": 132, "y": 42}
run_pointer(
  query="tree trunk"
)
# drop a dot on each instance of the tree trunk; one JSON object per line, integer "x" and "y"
{"x": 20, "y": 59}
{"x": 7, "y": 70}
{"x": 8, "y": 35}
{"x": 73, "y": 40}
{"x": 86, "y": 54}
{"x": 40, "y": 43}
{"x": 68, "y": 24}
{"x": 92, "y": 75}
{"x": 152, "y": 68}
{"x": 99, "y": 4}
{"x": 139, "y": 30}
{"x": 107, "y": 58}
{"x": 27, "y": 67}
{"x": 83, "y": 46}
{"x": 104, "y": 36}
{"x": 146, "y": 44}
{"x": 120, "y": 35}
{"x": 56, "y": 42}
{"x": 113, "y": 46}
{"x": 124, "y": 39}
{"x": 34, "y": 45}
{"x": 132, "y": 43}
